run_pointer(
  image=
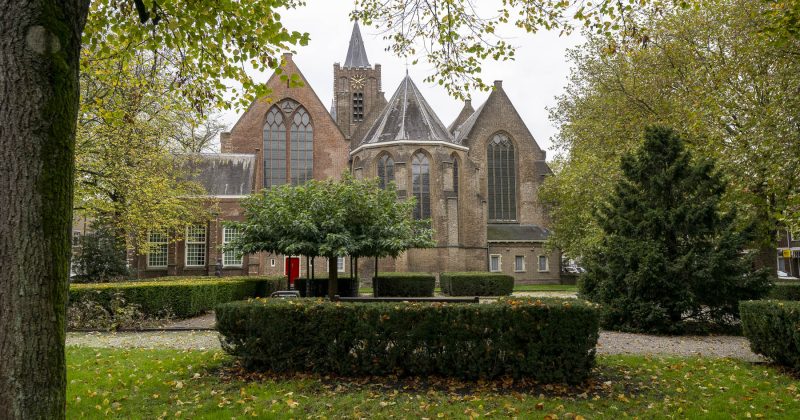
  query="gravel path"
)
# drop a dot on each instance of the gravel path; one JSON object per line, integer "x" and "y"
{"x": 609, "y": 343}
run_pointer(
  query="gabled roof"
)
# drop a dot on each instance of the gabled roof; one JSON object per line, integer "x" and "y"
{"x": 466, "y": 127}
{"x": 356, "y": 54}
{"x": 223, "y": 174}
{"x": 407, "y": 116}
{"x": 516, "y": 233}
{"x": 465, "y": 113}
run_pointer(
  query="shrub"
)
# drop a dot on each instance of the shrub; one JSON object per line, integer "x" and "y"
{"x": 100, "y": 258}
{"x": 549, "y": 340}
{"x": 404, "y": 285}
{"x": 476, "y": 283}
{"x": 118, "y": 313}
{"x": 318, "y": 287}
{"x": 785, "y": 291}
{"x": 183, "y": 298}
{"x": 773, "y": 328}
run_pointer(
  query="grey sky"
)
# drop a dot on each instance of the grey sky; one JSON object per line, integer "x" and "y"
{"x": 532, "y": 81}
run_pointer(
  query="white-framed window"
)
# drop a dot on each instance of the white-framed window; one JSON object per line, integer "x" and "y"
{"x": 231, "y": 259}
{"x": 157, "y": 242}
{"x": 196, "y": 246}
{"x": 544, "y": 263}
{"x": 494, "y": 263}
{"x": 272, "y": 262}
{"x": 340, "y": 264}
{"x": 519, "y": 263}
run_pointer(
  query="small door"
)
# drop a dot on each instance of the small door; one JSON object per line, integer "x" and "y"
{"x": 292, "y": 269}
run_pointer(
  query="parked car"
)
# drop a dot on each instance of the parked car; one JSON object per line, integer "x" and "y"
{"x": 782, "y": 275}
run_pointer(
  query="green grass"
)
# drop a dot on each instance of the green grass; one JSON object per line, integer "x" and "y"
{"x": 545, "y": 288}
{"x": 206, "y": 384}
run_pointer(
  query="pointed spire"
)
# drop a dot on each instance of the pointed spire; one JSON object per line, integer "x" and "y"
{"x": 356, "y": 54}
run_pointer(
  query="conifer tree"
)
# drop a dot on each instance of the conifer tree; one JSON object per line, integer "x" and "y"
{"x": 669, "y": 255}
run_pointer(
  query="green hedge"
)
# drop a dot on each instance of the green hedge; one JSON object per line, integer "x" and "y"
{"x": 773, "y": 328}
{"x": 476, "y": 283}
{"x": 318, "y": 287}
{"x": 549, "y": 340}
{"x": 181, "y": 298}
{"x": 785, "y": 291}
{"x": 403, "y": 285}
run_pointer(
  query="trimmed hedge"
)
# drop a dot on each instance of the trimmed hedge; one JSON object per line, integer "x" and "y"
{"x": 404, "y": 285}
{"x": 476, "y": 283}
{"x": 785, "y": 291}
{"x": 318, "y": 287}
{"x": 549, "y": 340}
{"x": 182, "y": 298}
{"x": 773, "y": 328}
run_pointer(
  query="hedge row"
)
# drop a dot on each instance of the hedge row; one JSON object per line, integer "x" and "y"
{"x": 404, "y": 285}
{"x": 476, "y": 284}
{"x": 318, "y": 287}
{"x": 773, "y": 328}
{"x": 785, "y": 291}
{"x": 549, "y": 340}
{"x": 180, "y": 298}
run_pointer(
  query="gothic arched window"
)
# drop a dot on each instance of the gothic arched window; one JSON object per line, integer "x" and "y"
{"x": 502, "y": 177}
{"x": 385, "y": 170}
{"x": 421, "y": 185}
{"x": 288, "y": 151}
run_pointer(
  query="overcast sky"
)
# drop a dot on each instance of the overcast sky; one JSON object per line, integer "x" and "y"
{"x": 532, "y": 81}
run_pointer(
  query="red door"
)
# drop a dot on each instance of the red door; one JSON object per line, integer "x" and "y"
{"x": 292, "y": 269}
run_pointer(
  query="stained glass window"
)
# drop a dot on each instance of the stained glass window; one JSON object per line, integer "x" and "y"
{"x": 455, "y": 174}
{"x": 385, "y": 170}
{"x": 502, "y": 179}
{"x": 420, "y": 171}
{"x": 288, "y": 152}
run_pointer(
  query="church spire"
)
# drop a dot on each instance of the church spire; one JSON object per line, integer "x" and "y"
{"x": 356, "y": 54}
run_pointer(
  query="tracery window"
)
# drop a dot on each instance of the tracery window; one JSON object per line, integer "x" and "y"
{"x": 288, "y": 152}
{"x": 420, "y": 181}
{"x": 385, "y": 170}
{"x": 502, "y": 179}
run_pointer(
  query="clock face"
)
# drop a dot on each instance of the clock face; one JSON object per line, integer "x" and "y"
{"x": 357, "y": 82}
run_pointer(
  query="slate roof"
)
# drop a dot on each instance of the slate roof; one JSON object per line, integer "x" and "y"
{"x": 463, "y": 130}
{"x": 356, "y": 54}
{"x": 542, "y": 168}
{"x": 465, "y": 113}
{"x": 516, "y": 233}
{"x": 223, "y": 174}
{"x": 407, "y": 116}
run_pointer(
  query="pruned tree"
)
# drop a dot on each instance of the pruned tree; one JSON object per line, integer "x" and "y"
{"x": 669, "y": 255}
{"x": 330, "y": 219}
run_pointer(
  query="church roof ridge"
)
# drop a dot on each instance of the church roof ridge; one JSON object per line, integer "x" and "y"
{"x": 356, "y": 53}
{"x": 407, "y": 116}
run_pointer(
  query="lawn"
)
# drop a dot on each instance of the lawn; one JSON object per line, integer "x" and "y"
{"x": 207, "y": 384}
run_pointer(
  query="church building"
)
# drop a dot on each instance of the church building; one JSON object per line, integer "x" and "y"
{"x": 476, "y": 179}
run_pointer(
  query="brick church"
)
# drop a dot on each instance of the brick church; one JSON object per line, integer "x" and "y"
{"x": 476, "y": 179}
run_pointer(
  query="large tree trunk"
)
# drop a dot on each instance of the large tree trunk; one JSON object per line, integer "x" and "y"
{"x": 333, "y": 273}
{"x": 39, "y": 53}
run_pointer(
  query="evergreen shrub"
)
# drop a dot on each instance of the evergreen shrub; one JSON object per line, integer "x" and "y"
{"x": 476, "y": 283}
{"x": 549, "y": 340}
{"x": 773, "y": 328}
{"x": 785, "y": 291}
{"x": 404, "y": 285}
{"x": 182, "y": 298}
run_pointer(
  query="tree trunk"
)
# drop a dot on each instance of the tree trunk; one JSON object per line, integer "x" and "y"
{"x": 333, "y": 271}
{"x": 39, "y": 53}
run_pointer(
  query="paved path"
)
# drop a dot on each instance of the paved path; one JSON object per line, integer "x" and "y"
{"x": 609, "y": 343}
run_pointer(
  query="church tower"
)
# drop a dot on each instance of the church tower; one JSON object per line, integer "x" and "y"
{"x": 356, "y": 87}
